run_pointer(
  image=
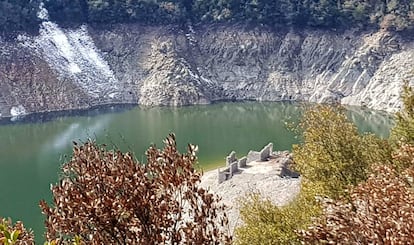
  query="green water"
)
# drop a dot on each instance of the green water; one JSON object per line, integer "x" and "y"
{"x": 32, "y": 151}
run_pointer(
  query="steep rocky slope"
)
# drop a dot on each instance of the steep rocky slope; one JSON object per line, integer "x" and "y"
{"x": 236, "y": 63}
{"x": 79, "y": 68}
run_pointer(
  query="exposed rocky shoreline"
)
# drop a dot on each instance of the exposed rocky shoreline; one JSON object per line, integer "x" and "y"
{"x": 64, "y": 69}
{"x": 269, "y": 178}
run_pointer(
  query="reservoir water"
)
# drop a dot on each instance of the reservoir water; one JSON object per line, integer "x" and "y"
{"x": 32, "y": 149}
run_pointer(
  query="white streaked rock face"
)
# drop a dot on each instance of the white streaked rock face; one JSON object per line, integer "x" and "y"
{"x": 169, "y": 66}
{"x": 383, "y": 88}
{"x": 73, "y": 55}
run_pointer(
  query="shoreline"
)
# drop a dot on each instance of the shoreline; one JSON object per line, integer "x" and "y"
{"x": 269, "y": 178}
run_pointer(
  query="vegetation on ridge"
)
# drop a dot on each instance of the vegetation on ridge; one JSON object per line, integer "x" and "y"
{"x": 389, "y": 14}
{"x": 18, "y": 16}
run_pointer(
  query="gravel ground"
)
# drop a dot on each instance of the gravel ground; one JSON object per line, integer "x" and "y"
{"x": 269, "y": 178}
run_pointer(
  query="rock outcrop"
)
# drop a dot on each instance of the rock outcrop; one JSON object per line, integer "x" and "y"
{"x": 65, "y": 69}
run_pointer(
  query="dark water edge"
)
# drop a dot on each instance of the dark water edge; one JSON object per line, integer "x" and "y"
{"x": 382, "y": 120}
{"x": 42, "y": 117}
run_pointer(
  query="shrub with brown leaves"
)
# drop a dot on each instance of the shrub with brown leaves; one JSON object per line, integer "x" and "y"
{"x": 380, "y": 211}
{"x": 107, "y": 197}
{"x": 14, "y": 234}
{"x": 404, "y": 157}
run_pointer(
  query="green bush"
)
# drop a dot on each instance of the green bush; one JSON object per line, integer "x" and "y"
{"x": 403, "y": 132}
{"x": 333, "y": 153}
{"x": 332, "y": 157}
{"x": 265, "y": 223}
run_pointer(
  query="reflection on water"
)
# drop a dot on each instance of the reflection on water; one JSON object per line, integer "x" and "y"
{"x": 371, "y": 121}
{"x": 32, "y": 149}
{"x": 76, "y": 132}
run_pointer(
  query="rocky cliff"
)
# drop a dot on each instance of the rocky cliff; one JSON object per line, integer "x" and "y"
{"x": 79, "y": 68}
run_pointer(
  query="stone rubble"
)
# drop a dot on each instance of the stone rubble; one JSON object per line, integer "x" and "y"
{"x": 271, "y": 178}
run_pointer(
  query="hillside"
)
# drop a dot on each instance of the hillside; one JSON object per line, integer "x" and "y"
{"x": 81, "y": 67}
{"x": 21, "y": 15}
{"x": 85, "y": 65}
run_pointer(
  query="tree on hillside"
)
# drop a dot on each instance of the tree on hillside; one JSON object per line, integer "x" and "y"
{"x": 324, "y": 13}
{"x": 399, "y": 14}
{"x": 357, "y": 11}
{"x": 67, "y": 11}
{"x": 18, "y": 16}
{"x": 107, "y": 197}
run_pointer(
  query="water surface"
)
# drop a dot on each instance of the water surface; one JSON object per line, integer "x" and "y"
{"x": 32, "y": 149}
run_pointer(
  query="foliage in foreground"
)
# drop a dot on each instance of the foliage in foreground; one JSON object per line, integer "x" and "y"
{"x": 333, "y": 154}
{"x": 265, "y": 223}
{"x": 107, "y": 197}
{"x": 332, "y": 158}
{"x": 380, "y": 211}
{"x": 14, "y": 234}
{"x": 403, "y": 132}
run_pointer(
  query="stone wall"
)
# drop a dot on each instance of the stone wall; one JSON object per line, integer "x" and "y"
{"x": 234, "y": 165}
{"x": 231, "y": 158}
{"x": 253, "y": 156}
{"x": 266, "y": 152}
{"x": 242, "y": 162}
